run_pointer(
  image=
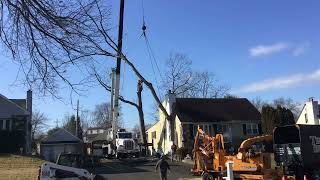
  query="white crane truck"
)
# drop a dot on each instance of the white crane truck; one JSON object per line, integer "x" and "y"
{"x": 124, "y": 146}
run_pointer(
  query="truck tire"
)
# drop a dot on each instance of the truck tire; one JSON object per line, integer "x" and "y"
{"x": 208, "y": 176}
{"x": 118, "y": 155}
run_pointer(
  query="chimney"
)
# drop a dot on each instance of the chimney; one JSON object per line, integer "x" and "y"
{"x": 169, "y": 105}
{"x": 28, "y": 124}
{"x": 170, "y": 101}
{"x": 311, "y": 99}
{"x": 29, "y": 101}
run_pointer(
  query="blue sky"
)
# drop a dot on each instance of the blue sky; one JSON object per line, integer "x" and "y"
{"x": 258, "y": 48}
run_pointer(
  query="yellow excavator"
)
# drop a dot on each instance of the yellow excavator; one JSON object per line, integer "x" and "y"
{"x": 210, "y": 158}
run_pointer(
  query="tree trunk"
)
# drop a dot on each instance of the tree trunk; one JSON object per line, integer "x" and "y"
{"x": 141, "y": 116}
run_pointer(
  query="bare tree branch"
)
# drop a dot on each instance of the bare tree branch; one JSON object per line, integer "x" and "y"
{"x": 49, "y": 37}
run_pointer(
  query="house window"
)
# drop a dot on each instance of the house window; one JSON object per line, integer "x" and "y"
{"x": 201, "y": 127}
{"x": 306, "y": 117}
{"x": 252, "y": 129}
{"x": 192, "y": 134}
{"x": 195, "y": 130}
{"x": 7, "y": 124}
{"x": 207, "y": 128}
{"x": 222, "y": 128}
{"x": 154, "y": 135}
{"x": 1, "y": 124}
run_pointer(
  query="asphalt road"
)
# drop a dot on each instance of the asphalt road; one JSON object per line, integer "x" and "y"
{"x": 129, "y": 169}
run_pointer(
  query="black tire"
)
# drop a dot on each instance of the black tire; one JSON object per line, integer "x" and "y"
{"x": 208, "y": 176}
{"x": 118, "y": 156}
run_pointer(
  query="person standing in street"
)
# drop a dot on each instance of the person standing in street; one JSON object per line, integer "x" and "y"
{"x": 164, "y": 167}
{"x": 173, "y": 151}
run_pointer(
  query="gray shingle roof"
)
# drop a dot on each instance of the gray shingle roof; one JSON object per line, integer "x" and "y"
{"x": 21, "y": 102}
{"x": 61, "y": 136}
{"x": 9, "y": 108}
{"x": 220, "y": 109}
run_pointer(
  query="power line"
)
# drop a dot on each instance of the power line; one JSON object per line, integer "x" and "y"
{"x": 153, "y": 57}
{"x": 152, "y": 67}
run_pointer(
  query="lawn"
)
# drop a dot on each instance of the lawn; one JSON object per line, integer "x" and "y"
{"x": 18, "y": 167}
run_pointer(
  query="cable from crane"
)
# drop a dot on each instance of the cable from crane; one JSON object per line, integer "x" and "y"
{"x": 149, "y": 49}
{"x": 144, "y": 34}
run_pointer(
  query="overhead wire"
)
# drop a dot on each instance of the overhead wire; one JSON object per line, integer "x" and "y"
{"x": 151, "y": 55}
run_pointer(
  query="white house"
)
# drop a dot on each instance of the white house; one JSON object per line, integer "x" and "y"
{"x": 310, "y": 113}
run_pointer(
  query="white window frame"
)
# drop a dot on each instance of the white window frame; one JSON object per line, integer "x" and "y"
{"x": 154, "y": 135}
{"x": 205, "y": 127}
{"x": 251, "y": 127}
{"x": 4, "y": 127}
{"x": 2, "y": 124}
{"x": 224, "y": 128}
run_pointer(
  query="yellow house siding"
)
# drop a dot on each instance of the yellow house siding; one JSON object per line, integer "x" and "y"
{"x": 160, "y": 141}
{"x": 178, "y": 132}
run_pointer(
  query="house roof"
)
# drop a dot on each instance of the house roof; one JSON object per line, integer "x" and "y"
{"x": 220, "y": 109}
{"x": 152, "y": 127}
{"x": 20, "y": 102}
{"x": 101, "y": 137}
{"x": 61, "y": 136}
{"x": 10, "y": 108}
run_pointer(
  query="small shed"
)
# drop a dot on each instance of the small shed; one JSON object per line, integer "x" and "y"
{"x": 60, "y": 141}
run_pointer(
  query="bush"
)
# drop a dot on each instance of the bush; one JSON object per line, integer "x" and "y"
{"x": 11, "y": 141}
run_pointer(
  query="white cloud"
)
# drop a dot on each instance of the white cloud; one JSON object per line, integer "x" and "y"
{"x": 296, "y": 49}
{"x": 280, "y": 82}
{"x": 262, "y": 50}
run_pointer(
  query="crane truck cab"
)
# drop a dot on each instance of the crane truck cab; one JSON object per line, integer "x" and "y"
{"x": 125, "y": 144}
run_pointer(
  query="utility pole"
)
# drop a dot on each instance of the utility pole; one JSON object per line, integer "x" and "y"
{"x": 112, "y": 75}
{"x": 117, "y": 81}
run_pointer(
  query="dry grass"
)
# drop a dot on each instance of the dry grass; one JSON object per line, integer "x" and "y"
{"x": 18, "y": 167}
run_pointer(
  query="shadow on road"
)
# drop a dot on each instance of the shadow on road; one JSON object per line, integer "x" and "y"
{"x": 117, "y": 168}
